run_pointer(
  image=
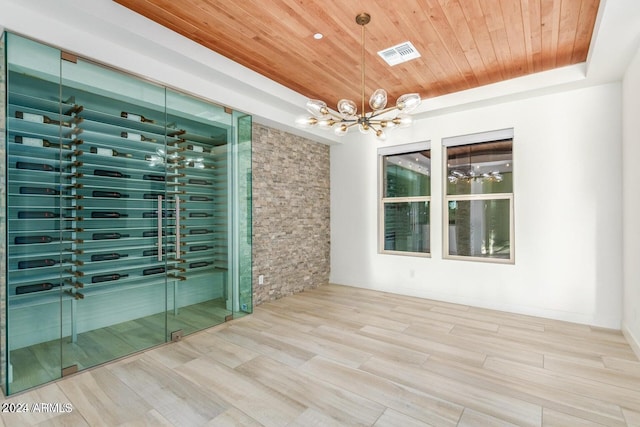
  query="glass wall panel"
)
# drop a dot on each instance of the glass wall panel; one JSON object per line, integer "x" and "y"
{"x": 480, "y": 228}
{"x": 116, "y": 301}
{"x": 199, "y": 296}
{"x": 244, "y": 217}
{"x": 40, "y": 253}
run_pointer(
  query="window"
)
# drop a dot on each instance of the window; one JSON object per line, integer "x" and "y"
{"x": 405, "y": 190}
{"x": 479, "y": 197}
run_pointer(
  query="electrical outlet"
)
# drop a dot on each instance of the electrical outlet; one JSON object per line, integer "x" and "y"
{"x": 261, "y": 279}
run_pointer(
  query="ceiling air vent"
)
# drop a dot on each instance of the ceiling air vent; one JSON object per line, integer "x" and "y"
{"x": 399, "y": 53}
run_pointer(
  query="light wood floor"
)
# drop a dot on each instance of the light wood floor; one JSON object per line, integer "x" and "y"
{"x": 340, "y": 356}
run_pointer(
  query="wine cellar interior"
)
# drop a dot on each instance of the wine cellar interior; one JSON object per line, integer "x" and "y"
{"x": 127, "y": 209}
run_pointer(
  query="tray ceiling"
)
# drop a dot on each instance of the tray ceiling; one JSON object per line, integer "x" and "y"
{"x": 462, "y": 43}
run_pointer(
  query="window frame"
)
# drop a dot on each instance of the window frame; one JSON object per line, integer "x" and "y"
{"x": 477, "y": 138}
{"x": 382, "y": 200}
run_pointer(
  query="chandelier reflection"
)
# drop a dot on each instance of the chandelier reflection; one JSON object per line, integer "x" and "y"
{"x": 379, "y": 119}
{"x": 470, "y": 175}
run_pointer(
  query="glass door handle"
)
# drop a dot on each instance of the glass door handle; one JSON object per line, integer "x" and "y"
{"x": 178, "y": 228}
{"x": 159, "y": 228}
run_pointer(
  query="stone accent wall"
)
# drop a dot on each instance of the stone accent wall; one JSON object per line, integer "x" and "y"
{"x": 291, "y": 209}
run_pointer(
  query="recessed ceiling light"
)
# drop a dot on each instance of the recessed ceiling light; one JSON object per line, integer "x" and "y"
{"x": 318, "y": 36}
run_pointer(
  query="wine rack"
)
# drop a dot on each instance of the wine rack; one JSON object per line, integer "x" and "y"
{"x": 118, "y": 210}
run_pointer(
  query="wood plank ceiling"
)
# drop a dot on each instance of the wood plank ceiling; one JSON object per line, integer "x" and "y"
{"x": 463, "y": 43}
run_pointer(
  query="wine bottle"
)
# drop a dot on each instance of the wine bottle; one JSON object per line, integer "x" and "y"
{"x": 154, "y": 177}
{"x": 136, "y": 117}
{"x": 199, "y": 181}
{"x": 153, "y": 214}
{"x": 200, "y": 199}
{"x": 107, "y": 236}
{"x": 39, "y": 118}
{"x": 154, "y": 252}
{"x": 106, "y": 257}
{"x": 108, "y": 214}
{"x": 37, "y": 215}
{"x": 136, "y": 137}
{"x": 27, "y": 240}
{"x": 35, "y": 263}
{"x": 107, "y": 277}
{"x": 112, "y": 194}
{"x": 109, "y": 173}
{"x": 39, "y": 190}
{"x": 200, "y": 231}
{"x": 154, "y": 270}
{"x": 39, "y": 142}
{"x": 198, "y": 149}
{"x": 152, "y": 233}
{"x": 195, "y": 248}
{"x": 199, "y": 214}
{"x": 109, "y": 152}
{"x": 36, "y": 166}
{"x": 26, "y": 289}
{"x": 199, "y": 264}
{"x": 152, "y": 195}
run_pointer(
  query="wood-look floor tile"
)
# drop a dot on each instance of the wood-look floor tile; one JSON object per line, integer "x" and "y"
{"x": 632, "y": 417}
{"x": 425, "y": 345}
{"x": 361, "y": 342}
{"x": 392, "y": 418}
{"x": 343, "y": 407}
{"x": 268, "y": 407}
{"x": 409, "y": 401}
{"x": 257, "y": 342}
{"x": 443, "y": 383}
{"x": 471, "y": 418}
{"x": 233, "y": 417}
{"x": 571, "y": 381}
{"x": 551, "y": 418}
{"x": 180, "y": 402}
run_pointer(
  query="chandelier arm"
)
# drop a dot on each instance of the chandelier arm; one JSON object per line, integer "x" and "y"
{"x": 383, "y": 111}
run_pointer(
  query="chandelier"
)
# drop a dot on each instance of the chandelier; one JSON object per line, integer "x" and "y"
{"x": 347, "y": 117}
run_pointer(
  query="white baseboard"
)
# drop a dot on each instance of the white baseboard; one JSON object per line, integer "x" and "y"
{"x": 633, "y": 341}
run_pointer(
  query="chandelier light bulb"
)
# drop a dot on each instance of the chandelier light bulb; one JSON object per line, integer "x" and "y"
{"x": 403, "y": 120}
{"x": 378, "y": 100}
{"x": 317, "y": 108}
{"x": 305, "y": 122}
{"x": 408, "y": 102}
{"x": 347, "y": 108}
{"x": 381, "y": 135}
{"x": 341, "y": 130}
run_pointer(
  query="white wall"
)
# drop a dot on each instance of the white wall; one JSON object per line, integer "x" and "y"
{"x": 631, "y": 202}
{"x": 568, "y": 237}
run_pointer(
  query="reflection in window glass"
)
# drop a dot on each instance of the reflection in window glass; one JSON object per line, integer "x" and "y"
{"x": 406, "y": 191}
{"x": 406, "y": 227}
{"x": 484, "y": 168}
{"x": 407, "y": 174}
{"x": 479, "y": 196}
{"x": 480, "y": 228}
